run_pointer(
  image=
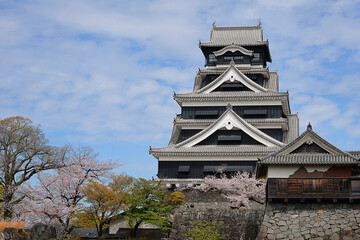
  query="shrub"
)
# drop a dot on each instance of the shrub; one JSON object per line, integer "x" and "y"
{"x": 204, "y": 230}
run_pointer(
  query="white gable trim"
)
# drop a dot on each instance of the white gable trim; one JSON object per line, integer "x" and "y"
{"x": 233, "y": 48}
{"x": 230, "y": 120}
{"x": 232, "y": 75}
{"x": 309, "y": 138}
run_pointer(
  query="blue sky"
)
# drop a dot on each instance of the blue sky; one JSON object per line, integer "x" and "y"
{"x": 102, "y": 73}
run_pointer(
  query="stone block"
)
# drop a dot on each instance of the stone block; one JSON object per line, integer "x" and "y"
{"x": 282, "y": 223}
{"x": 328, "y": 232}
{"x": 279, "y": 236}
{"x": 313, "y": 231}
{"x": 271, "y": 236}
{"x": 307, "y": 236}
{"x": 335, "y": 236}
{"x": 283, "y": 228}
{"x": 304, "y": 214}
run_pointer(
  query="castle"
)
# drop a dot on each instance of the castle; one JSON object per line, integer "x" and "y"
{"x": 236, "y": 119}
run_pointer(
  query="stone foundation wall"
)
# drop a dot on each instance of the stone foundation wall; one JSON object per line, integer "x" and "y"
{"x": 241, "y": 223}
{"x": 311, "y": 221}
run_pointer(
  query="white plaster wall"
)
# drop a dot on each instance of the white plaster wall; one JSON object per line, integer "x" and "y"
{"x": 123, "y": 223}
{"x": 319, "y": 168}
{"x": 286, "y": 171}
{"x": 281, "y": 171}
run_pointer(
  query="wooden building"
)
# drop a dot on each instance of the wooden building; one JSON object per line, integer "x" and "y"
{"x": 310, "y": 168}
{"x": 235, "y": 113}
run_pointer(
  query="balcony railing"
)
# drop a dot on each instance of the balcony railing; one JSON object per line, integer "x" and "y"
{"x": 306, "y": 188}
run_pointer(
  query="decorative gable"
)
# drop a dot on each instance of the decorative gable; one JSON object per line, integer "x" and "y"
{"x": 232, "y": 75}
{"x": 233, "y": 48}
{"x": 309, "y": 149}
{"x": 310, "y": 142}
{"x": 229, "y": 120}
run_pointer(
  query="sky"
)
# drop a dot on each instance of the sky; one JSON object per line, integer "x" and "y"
{"x": 103, "y": 73}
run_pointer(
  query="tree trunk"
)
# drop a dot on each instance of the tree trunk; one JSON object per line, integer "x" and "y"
{"x": 133, "y": 231}
{"x": 7, "y": 210}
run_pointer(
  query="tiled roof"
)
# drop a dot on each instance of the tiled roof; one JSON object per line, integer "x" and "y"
{"x": 214, "y": 150}
{"x": 355, "y": 153}
{"x": 245, "y": 71}
{"x": 209, "y": 121}
{"x": 232, "y": 96}
{"x": 310, "y": 159}
{"x": 286, "y": 157}
{"x": 245, "y": 36}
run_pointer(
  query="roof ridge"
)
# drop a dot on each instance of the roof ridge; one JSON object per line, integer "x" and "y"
{"x": 238, "y": 27}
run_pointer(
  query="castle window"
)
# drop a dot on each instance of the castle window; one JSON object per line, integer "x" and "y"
{"x": 251, "y": 112}
{"x": 256, "y": 57}
{"x": 344, "y": 186}
{"x": 206, "y": 112}
{"x": 355, "y": 186}
{"x": 184, "y": 169}
{"x": 238, "y": 59}
{"x": 212, "y": 58}
{"x": 227, "y": 58}
{"x": 229, "y": 138}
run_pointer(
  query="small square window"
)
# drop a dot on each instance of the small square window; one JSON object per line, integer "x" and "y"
{"x": 256, "y": 57}
{"x": 212, "y": 58}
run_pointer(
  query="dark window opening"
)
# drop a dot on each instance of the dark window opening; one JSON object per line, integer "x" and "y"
{"x": 206, "y": 113}
{"x": 256, "y": 58}
{"x": 344, "y": 185}
{"x": 226, "y": 137}
{"x": 184, "y": 169}
{"x": 236, "y": 59}
{"x": 272, "y": 112}
{"x": 276, "y": 133}
{"x": 212, "y": 58}
{"x": 355, "y": 188}
{"x": 232, "y": 87}
{"x": 229, "y": 138}
{"x": 227, "y": 169}
{"x": 255, "y": 113}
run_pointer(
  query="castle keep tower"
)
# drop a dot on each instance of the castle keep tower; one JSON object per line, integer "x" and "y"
{"x": 235, "y": 113}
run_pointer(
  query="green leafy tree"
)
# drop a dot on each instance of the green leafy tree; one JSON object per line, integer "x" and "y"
{"x": 24, "y": 152}
{"x": 204, "y": 230}
{"x": 148, "y": 203}
{"x": 103, "y": 202}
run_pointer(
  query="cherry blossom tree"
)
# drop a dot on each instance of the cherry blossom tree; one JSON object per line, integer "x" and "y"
{"x": 57, "y": 195}
{"x": 239, "y": 188}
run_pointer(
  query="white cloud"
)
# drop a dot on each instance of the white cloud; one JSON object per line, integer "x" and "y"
{"x": 98, "y": 71}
